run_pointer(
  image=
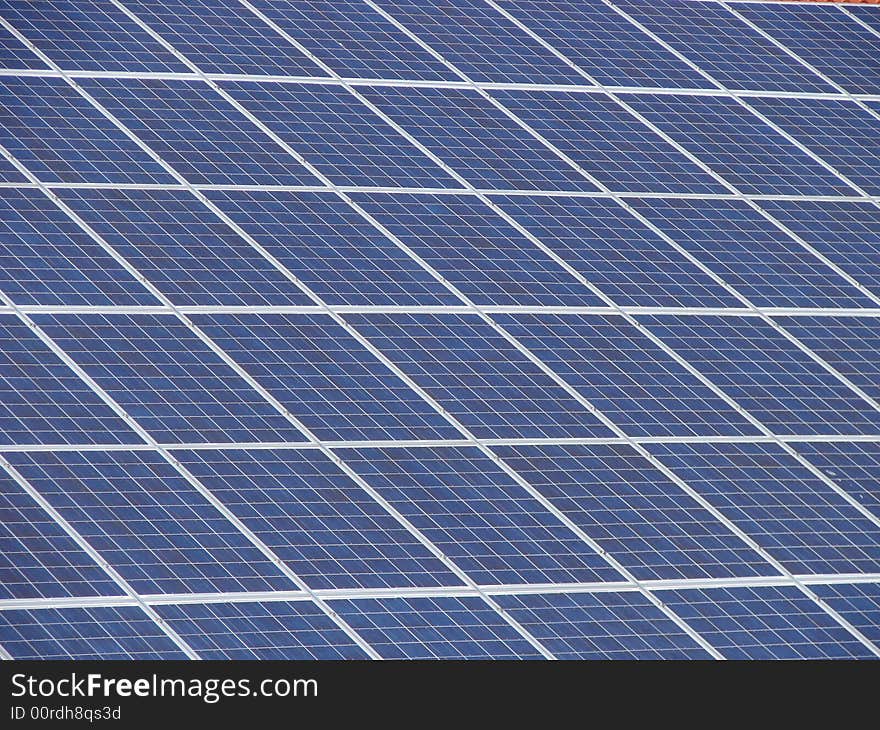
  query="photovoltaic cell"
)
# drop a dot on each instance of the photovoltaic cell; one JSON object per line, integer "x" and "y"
{"x": 223, "y": 37}
{"x": 276, "y": 630}
{"x": 851, "y": 345}
{"x": 320, "y": 522}
{"x": 331, "y": 248}
{"x": 737, "y": 145}
{"x": 625, "y": 376}
{"x": 89, "y": 35}
{"x": 476, "y": 139}
{"x": 46, "y": 258}
{"x": 766, "y": 374}
{"x": 15, "y": 55}
{"x": 182, "y": 248}
{"x": 478, "y": 376}
{"x": 603, "y": 43}
{"x": 791, "y": 513}
{"x": 751, "y": 254}
{"x": 601, "y": 626}
{"x": 720, "y": 44}
{"x": 855, "y": 467}
{"x": 60, "y": 137}
{"x": 842, "y": 133}
{"x": 614, "y": 251}
{"x": 481, "y": 42}
{"x": 608, "y": 142}
{"x": 106, "y": 632}
{"x": 634, "y": 512}
{"x": 478, "y": 515}
{"x": 167, "y": 379}
{"x": 148, "y": 522}
{"x": 37, "y": 558}
{"x": 338, "y": 134}
{"x": 435, "y": 628}
{"x": 476, "y": 250}
{"x": 857, "y": 603}
{"x": 353, "y": 39}
{"x": 847, "y": 233}
{"x": 197, "y": 132}
{"x": 826, "y": 38}
{"x": 868, "y": 15}
{"x": 327, "y": 379}
{"x": 42, "y": 401}
{"x": 764, "y": 623}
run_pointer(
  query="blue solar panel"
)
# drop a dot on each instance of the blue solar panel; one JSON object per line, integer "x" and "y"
{"x": 148, "y": 522}
{"x": 479, "y": 516}
{"x": 478, "y": 376}
{"x": 333, "y": 249}
{"x": 751, "y": 254}
{"x": 626, "y": 376}
{"x": 621, "y": 256}
{"x": 182, "y": 248}
{"x": 764, "y": 623}
{"x": 477, "y": 251}
{"x": 842, "y": 133}
{"x": 477, "y": 140}
{"x": 45, "y": 258}
{"x": 482, "y": 42}
{"x": 444, "y": 321}
{"x": 223, "y": 37}
{"x": 603, "y": 43}
{"x": 855, "y": 467}
{"x": 203, "y": 137}
{"x": 337, "y": 134}
{"x": 325, "y": 377}
{"x": 42, "y": 401}
{"x": 737, "y": 145}
{"x": 791, "y": 513}
{"x": 826, "y": 38}
{"x": 609, "y": 142}
{"x": 868, "y": 15}
{"x": 167, "y": 379}
{"x": 601, "y": 626}
{"x": 15, "y": 55}
{"x": 850, "y": 344}
{"x": 88, "y": 35}
{"x": 38, "y": 559}
{"x": 277, "y": 630}
{"x": 105, "y": 632}
{"x": 61, "y": 137}
{"x": 859, "y": 604}
{"x": 720, "y": 44}
{"x": 847, "y": 233}
{"x": 353, "y": 39}
{"x": 318, "y": 520}
{"x": 767, "y": 374}
{"x": 634, "y": 512}
{"x": 435, "y": 628}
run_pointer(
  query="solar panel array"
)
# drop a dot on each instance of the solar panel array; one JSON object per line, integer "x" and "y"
{"x": 461, "y": 329}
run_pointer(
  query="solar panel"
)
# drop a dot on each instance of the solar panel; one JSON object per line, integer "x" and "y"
{"x": 61, "y": 137}
{"x": 103, "y": 632}
{"x": 828, "y": 39}
{"x": 475, "y": 329}
{"x": 88, "y": 36}
{"x": 204, "y": 138}
{"x": 186, "y": 252}
{"x": 750, "y": 253}
{"x": 733, "y": 53}
{"x": 282, "y": 630}
{"x": 765, "y": 623}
